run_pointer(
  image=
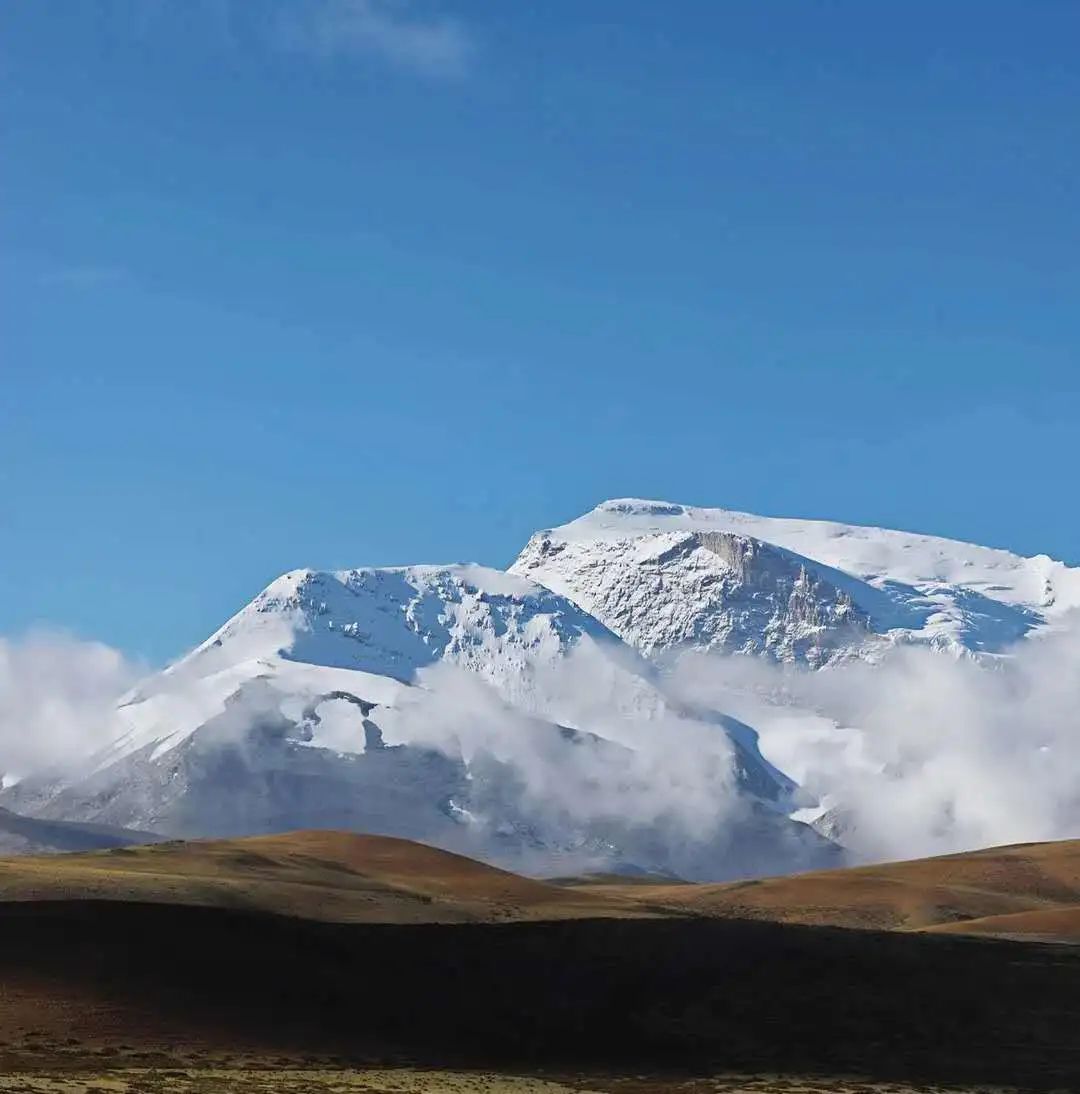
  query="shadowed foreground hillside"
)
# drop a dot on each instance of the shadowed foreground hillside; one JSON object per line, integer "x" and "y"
{"x": 101, "y": 981}
{"x": 323, "y": 950}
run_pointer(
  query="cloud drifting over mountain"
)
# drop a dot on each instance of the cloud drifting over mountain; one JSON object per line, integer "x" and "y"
{"x": 648, "y": 771}
{"x": 923, "y": 753}
{"x": 57, "y": 696}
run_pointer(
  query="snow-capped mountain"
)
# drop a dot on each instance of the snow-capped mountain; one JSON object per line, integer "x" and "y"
{"x": 528, "y": 717}
{"x": 665, "y": 576}
{"x": 459, "y": 705}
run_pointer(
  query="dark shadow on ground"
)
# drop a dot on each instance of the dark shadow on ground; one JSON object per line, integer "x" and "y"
{"x": 659, "y": 996}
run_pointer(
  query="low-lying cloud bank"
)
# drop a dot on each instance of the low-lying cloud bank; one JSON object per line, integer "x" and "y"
{"x": 57, "y": 694}
{"x": 924, "y": 753}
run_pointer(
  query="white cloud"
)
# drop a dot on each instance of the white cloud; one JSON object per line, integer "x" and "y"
{"x": 657, "y": 769}
{"x": 57, "y": 696}
{"x": 926, "y": 753}
{"x": 395, "y": 30}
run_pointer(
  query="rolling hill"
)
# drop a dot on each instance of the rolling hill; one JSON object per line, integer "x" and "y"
{"x": 1029, "y": 889}
{"x": 338, "y": 877}
{"x": 1041, "y": 925}
{"x": 310, "y": 954}
{"x": 344, "y": 877}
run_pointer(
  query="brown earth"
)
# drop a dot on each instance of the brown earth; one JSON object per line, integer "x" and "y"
{"x": 1047, "y": 925}
{"x": 1034, "y": 879}
{"x": 97, "y": 985}
{"x": 345, "y": 877}
{"x": 335, "y": 876}
{"x": 251, "y": 1078}
{"x": 301, "y": 962}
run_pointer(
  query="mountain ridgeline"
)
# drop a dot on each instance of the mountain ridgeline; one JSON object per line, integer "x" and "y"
{"x": 525, "y": 717}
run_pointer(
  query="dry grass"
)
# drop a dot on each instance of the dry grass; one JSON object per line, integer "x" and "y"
{"x": 1045, "y": 925}
{"x": 1029, "y": 890}
{"x": 88, "y": 987}
{"x": 1040, "y": 880}
{"x": 332, "y": 876}
{"x": 277, "y": 1080}
{"x": 156, "y": 969}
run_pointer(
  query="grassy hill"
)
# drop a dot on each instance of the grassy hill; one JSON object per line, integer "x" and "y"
{"x": 321, "y": 952}
{"x": 1033, "y": 880}
{"x": 335, "y": 876}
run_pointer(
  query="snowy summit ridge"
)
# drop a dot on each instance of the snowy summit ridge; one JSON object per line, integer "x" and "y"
{"x": 393, "y": 621}
{"x": 663, "y": 576}
{"x": 372, "y": 631}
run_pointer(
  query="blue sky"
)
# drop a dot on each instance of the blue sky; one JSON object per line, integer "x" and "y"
{"x": 350, "y": 283}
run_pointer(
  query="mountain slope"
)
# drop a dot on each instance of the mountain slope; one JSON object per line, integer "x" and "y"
{"x": 340, "y": 877}
{"x": 665, "y": 576}
{"x": 31, "y": 835}
{"x": 313, "y": 945}
{"x": 1041, "y": 925}
{"x": 455, "y": 705}
{"x": 1040, "y": 882}
{"x": 637, "y": 1005}
{"x": 382, "y": 625}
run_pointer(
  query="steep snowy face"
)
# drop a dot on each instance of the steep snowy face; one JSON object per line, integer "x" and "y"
{"x": 393, "y": 622}
{"x": 709, "y": 590}
{"x": 664, "y": 576}
{"x": 371, "y": 632}
{"x": 457, "y": 705}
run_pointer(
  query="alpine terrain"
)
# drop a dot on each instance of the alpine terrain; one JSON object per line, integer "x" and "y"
{"x": 664, "y": 576}
{"x": 526, "y": 717}
{"x": 465, "y": 707}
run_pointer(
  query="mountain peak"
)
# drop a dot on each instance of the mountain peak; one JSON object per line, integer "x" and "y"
{"x": 343, "y": 698}
{"x": 641, "y": 507}
{"x": 661, "y": 574}
{"x": 349, "y": 699}
{"x": 392, "y": 621}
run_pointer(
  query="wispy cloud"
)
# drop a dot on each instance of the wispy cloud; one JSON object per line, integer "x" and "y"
{"x": 57, "y": 695}
{"x": 923, "y": 753}
{"x": 397, "y": 31}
